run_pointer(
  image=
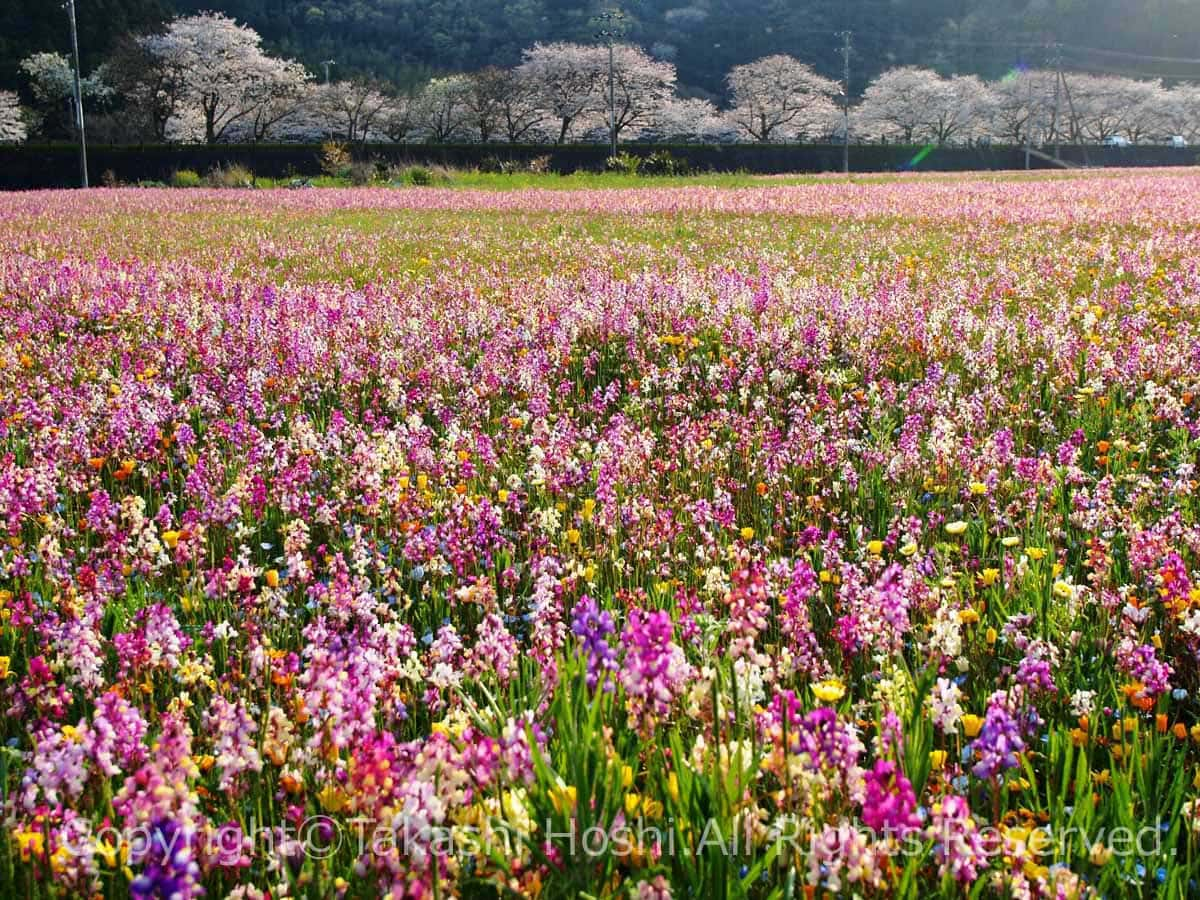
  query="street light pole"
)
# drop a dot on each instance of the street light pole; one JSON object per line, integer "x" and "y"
{"x": 609, "y": 35}
{"x": 83, "y": 172}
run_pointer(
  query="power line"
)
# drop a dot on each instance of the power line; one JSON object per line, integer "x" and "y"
{"x": 1180, "y": 60}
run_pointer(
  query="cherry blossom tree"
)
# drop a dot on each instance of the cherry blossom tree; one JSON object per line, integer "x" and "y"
{"x": 641, "y": 87}
{"x": 1181, "y": 112}
{"x": 12, "y": 125}
{"x": 440, "y": 110}
{"x": 219, "y": 70}
{"x": 911, "y": 104}
{"x": 352, "y": 109}
{"x": 1021, "y": 106}
{"x": 779, "y": 96}
{"x": 397, "y": 119}
{"x": 566, "y": 80}
{"x": 1108, "y": 105}
{"x": 690, "y": 119}
{"x": 892, "y": 105}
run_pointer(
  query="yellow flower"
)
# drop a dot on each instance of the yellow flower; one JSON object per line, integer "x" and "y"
{"x": 272, "y": 576}
{"x": 589, "y": 509}
{"x": 332, "y": 798}
{"x": 1099, "y": 854}
{"x": 909, "y": 549}
{"x": 1062, "y": 590}
{"x": 422, "y": 482}
{"x": 5, "y": 662}
{"x": 170, "y": 538}
{"x": 968, "y": 616}
{"x": 937, "y": 759}
{"x": 875, "y": 547}
{"x": 990, "y": 636}
{"x": 971, "y": 724}
{"x": 572, "y": 535}
{"x": 636, "y": 803}
{"x": 502, "y": 496}
{"x": 747, "y": 533}
{"x": 954, "y": 529}
{"x": 626, "y": 776}
{"x": 1036, "y": 553}
{"x": 30, "y": 844}
{"x": 978, "y": 488}
{"x": 107, "y": 852}
{"x": 829, "y": 691}
{"x": 1011, "y": 541}
{"x": 988, "y": 577}
{"x": 563, "y": 796}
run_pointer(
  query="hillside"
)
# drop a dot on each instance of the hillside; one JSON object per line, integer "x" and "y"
{"x": 406, "y": 40}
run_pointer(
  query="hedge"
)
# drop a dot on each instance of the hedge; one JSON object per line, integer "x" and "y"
{"x": 56, "y": 165}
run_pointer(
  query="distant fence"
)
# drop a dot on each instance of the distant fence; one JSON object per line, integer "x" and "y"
{"x": 56, "y": 165}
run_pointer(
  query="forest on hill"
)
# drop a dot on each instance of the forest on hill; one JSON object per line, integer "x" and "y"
{"x": 408, "y": 41}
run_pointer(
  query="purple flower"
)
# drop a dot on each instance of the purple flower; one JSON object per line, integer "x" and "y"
{"x": 593, "y": 626}
{"x": 998, "y": 744}
{"x": 890, "y": 805}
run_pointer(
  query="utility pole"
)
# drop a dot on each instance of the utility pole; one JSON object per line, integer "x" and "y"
{"x": 1029, "y": 122}
{"x": 609, "y": 34}
{"x": 327, "y": 63}
{"x": 612, "y": 105}
{"x": 845, "y": 102}
{"x": 83, "y": 172}
{"x": 1074, "y": 118}
{"x": 1057, "y": 87}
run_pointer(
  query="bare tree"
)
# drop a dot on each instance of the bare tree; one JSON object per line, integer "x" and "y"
{"x": 484, "y": 101}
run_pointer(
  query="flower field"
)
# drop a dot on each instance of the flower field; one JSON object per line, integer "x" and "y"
{"x": 819, "y": 540}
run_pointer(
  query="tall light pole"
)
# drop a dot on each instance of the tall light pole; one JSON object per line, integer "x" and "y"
{"x": 609, "y": 35}
{"x": 83, "y": 173}
{"x": 327, "y": 63}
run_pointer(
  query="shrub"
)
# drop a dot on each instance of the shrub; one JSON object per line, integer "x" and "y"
{"x": 335, "y": 159}
{"x": 362, "y": 172}
{"x": 418, "y": 175}
{"x": 231, "y": 175}
{"x": 661, "y": 162}
{"x": 623, "y": 163}
{"x": 185, "y": 178}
